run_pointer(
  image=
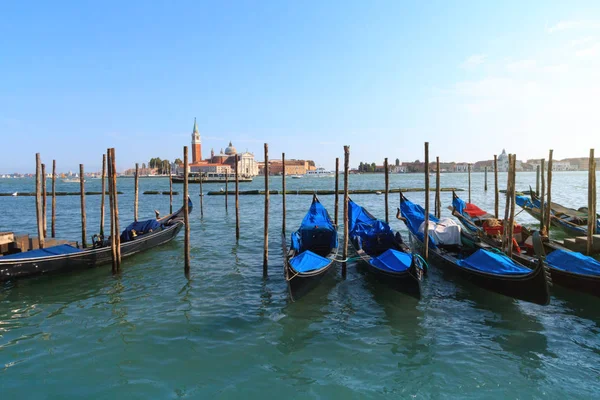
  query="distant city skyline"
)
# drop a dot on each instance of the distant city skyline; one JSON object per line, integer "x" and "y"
{"x": 307, "y": 78}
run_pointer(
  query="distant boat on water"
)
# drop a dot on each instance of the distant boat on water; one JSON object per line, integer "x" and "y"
{"x": 296, "y": 176}
{"x": 72, "y": 180}
{"x": 321, "y": 173}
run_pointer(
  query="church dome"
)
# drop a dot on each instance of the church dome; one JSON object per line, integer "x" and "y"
{"x": 230, "y": 150}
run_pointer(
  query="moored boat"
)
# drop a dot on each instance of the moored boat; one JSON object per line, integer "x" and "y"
{"x": 567, "y": 268}
{"x": 488, "y": 269}
{"x": 137, "y": 237}
{"x": 383, "y": 253}
{"x": 312, "y": 252}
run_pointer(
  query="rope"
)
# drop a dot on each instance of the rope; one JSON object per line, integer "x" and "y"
{"x": 422, "y": 260}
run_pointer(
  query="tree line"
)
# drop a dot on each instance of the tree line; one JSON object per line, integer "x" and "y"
{"x": 162, "y": 166}
{"x": 372, "y": 167}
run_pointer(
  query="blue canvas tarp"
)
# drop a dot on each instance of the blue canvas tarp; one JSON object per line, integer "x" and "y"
{"x": 49, "y": 251}
{"x": 493, "y": 263}
{"x": 374, "y": 234}
{"x": 314, "y": 229}
{"x": 459, "y": 204}
{"x": 571, "y": 261}
{"x": 140, "y": 227}
{"x": 392, "y": 260}
{"x": 308, "y": 261}
{"x": 415, "y": 216}
{"x": 525, "y": 202}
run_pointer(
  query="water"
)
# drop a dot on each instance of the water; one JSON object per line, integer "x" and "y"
{"x": 150, "y": 333}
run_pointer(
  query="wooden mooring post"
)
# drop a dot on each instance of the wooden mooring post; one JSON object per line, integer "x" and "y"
{"x": 426, "y": 224}
{"x": 237, "y": 200}
{"x": 591, "y": 203}
{"x": 537, "y": 180}
{"x": 44, "y": 200}
{"x": 542, "y": 198}
{"x": 513, "y": 174}
{"x": 226, "y": 190}
{"x": 266, "y": 230}
{"x": 469, "y": 172}
{"x": 170, "y": 191}
{"x": 103, "y": 198}
{"x": 505, "y": 222}
{"x": 386, "y": 168}
{"x": 283, "y": 192}
{"x": 201, "y": 197}
{"x": 346, "y": 198}
{"x": 485, "y": 178}
{"x": 186, "y": 216}
{"x": 136, "y": 191}
{"x": 111, "y": 205}
{"x": 549, "y": 195}
{"x": 337, "y": 189}
{"x": 496, "y": 189}
{"x": 438, "y": 200}
{"x": 116, "y": 206}
{"x": 53, "y": 218}
{"x": 38, "y": 199}
{"x": 83, "y": 216}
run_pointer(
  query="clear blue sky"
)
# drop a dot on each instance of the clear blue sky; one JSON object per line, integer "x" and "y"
{"x": 305, "y": 76}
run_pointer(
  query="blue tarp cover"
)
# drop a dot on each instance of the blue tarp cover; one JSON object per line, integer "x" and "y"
{"x": 50, "y": 251}
{"x": 140, "y": 228}
{"x": 415, "y": 216}
{"x": 392, "y": 260}
{"x": 316, "y": 220}
{"x": 571, "y": 261}
{"x": 525, "y": 201}
{"x": 493, "y": 263}
{"x": 374, "y": 234}
{"x": 459, "y": 204}
{"x": 308, "y": 261}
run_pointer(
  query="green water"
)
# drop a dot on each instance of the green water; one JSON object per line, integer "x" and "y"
{"x": 229, "y": 333}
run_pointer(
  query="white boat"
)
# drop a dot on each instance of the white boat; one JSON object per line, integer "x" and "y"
{"x": 72, "y": 180}
{"x": 296, "y": 176}
{"x": 320, "y": 172}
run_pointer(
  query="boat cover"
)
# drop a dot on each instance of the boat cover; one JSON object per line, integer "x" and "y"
{"x": 415, "y": 216}
{"x": 315, "y": 227}
{"x": 308, "y": 261}
{"x": 140, "y": 227}
{"x": 374, "y": 234}
{"x": 392, "y": 260}
{"x": 492, "y": 263}
{"x": 444, "y": 232}
{"x": 525, "y": 202}
{"x": 574, "y": 262}
{"x": 39, "y": 253}
{"x": 470, "y": 209}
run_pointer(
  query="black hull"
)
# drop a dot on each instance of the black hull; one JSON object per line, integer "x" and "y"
{"x": 533, "y": 287}
{"x": 22, "y": 268}
{"x": 177, "y": 179}
{"x": 300, "y": 284}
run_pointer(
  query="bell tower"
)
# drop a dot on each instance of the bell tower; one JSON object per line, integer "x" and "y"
{"x": 196, "y": 145}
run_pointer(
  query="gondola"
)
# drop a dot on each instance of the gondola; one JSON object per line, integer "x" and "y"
{"x": 571, "y": 221}
{"x": 567, "y": 268}
{"x": 488, "y": 269}
{"x": 312, "y": 252}
{"x": 383, "y": 253}
{"x": 137, "y": 237}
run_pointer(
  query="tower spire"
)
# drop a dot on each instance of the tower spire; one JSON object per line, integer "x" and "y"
{"x": 195, "y": 126}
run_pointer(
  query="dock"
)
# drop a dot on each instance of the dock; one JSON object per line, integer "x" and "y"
{"x": 326, "y": 192}
{"x": 17, "y": 194}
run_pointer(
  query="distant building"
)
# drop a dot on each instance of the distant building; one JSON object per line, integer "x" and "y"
{"x": 221, "y": 163}
{"x": 461, "y": 167}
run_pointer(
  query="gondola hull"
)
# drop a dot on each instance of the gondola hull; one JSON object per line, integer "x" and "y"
{"x": 299, "y": 284}
{"x": 532, "y": 287}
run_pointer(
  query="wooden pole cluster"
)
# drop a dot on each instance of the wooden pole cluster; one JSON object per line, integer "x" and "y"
{"x": 346, "y": 198}
{"x": 170, "y": 191}
{"x": 509, "y": 210}
{"x": 283, "y": 193}
{"x": 426, "y": 223}
{"x": 53, "y": 218}
{"x": 386, "y": 168}
{"x": 438, "y": 199}
{"x": 549, "y": 195}
{"x": 83, "y": 216}
{"x": 506, "y": 208}
{"x": 102, "y": 199}
{"x": 115, "y": 239}
{"x": 136, "y": 191}
{"x": 337, "y": 188}
{"x": 591, "y": 203}
{"x": 38, "y": 200}
{"x": 542, "y": 198}
{"x": 537, "y": 180}
{"x": 511, "y": 222}
{"x": 44, "y": 200}
{"x": 496, "y": 189}
{"x": 469, "y": 173}
{"x": 201, "y": 197}
{"x": 186, "y": 216}
{"x": 485, "y": 178}
{"x": 237, "y": 200}
{"x": 266, "y": 232}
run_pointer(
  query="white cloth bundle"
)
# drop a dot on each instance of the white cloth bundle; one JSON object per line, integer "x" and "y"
{"x": 445, "y": 232}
